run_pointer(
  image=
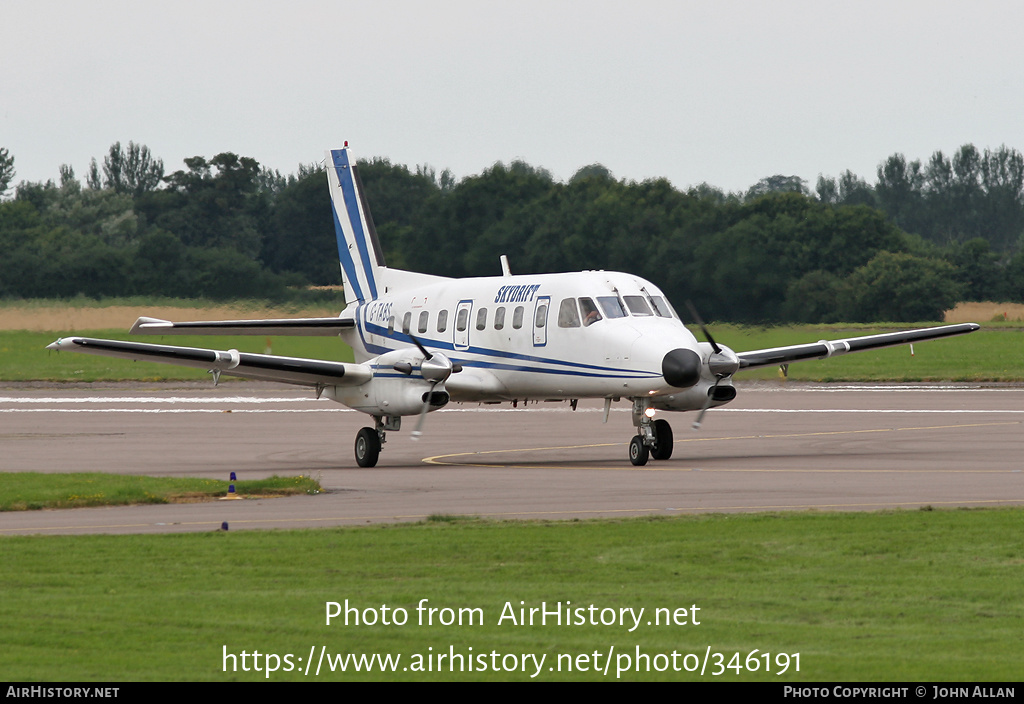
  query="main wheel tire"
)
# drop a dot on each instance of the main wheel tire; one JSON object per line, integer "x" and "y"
{"x": 638, "y": 452}
{"x": 662, "y": 449}
{"x": 367, "y": 447}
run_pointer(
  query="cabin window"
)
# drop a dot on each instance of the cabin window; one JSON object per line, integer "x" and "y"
{"x": 481, "y": 319}
{"x": 612, "y": 306}
{"x": 424, "y": 319}
{"x": 442, "y": 321}
{"x": 661, "y": 307}
{"x": 462, "y": 321}
{"x": 568, "y": 314}
{"x": 406, "y": 322}
{"x": 638, "y": 305}
{"x": 589, "y": 311}
{"x": 499, "y": 318}
{"x": 391, "y": 324}
{"x": 517, "y": 317}
{"x": 541, "y": 319}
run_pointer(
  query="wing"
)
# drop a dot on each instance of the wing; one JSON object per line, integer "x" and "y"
{"x": 833, "y": 348}
{"x": 326, "y": 327}
{"x": 265, "y": 367}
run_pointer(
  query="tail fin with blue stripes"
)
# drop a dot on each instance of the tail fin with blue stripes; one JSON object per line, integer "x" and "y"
{"x": 362, "y": 260}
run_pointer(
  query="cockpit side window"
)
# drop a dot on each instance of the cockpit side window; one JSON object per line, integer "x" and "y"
{"x": 612, "y": 306}
{"x": 638, "y": 305}
{"x": 661, "y": 307}
{"x": 589, "y": 311}
{"x": 673, "y": 311}
{"x": 568, "y": 314}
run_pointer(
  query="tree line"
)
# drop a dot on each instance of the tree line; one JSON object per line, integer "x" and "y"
{"x": 922, "y": 238}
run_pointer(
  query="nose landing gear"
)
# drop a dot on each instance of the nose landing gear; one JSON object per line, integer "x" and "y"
{"x": 654, "y": 438}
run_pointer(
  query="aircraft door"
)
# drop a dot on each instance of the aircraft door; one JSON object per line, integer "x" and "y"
{"x": 461, "y": 326}
{"x": 540, "y": 321}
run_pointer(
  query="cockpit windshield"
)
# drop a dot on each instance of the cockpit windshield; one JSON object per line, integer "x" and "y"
{"x": 612, "y": 306}
{"x": 661, "y": 307}
{"x": 638, "y": 305}
{"x": 624, "y": 307}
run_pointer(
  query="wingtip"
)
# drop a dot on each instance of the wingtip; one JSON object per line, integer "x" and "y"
{"x": 145, "y": 324}
{"x": 62, "y": 343}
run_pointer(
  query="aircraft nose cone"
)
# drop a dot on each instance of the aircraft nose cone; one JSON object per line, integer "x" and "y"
{"x": 681, "y": 368}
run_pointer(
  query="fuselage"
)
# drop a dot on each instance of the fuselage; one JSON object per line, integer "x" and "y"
{"x": 543, "y": 336}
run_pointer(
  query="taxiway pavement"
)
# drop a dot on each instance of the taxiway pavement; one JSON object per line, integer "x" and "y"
{"x": 783, "y": 446}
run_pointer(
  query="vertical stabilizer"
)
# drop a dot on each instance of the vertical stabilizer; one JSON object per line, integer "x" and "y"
{"x": 358, "y": 249}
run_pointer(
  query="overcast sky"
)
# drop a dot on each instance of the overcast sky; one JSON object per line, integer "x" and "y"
{"x": 720, "y": 91}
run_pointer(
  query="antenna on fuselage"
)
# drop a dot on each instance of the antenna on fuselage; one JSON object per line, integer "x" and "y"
{"x": 505, "y": 270}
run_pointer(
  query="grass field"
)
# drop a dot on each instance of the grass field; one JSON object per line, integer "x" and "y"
{"x": 86, "y": 314}
{"x": 991, "y": 354}
{"x": 27, "y": 327}
{"x": 26, "y": 491}
{"x": 904, "y": 596}
{"x": 985, "y": 311}
{"x": 24, "y": 357}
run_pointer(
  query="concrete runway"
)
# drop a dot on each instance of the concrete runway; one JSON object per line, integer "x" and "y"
{"x": 777, "y": 447}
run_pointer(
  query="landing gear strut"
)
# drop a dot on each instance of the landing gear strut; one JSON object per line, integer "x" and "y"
{"x": 654, "y": 438}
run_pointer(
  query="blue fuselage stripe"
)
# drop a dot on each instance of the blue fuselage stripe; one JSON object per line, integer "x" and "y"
{"x": 575, "y": 368}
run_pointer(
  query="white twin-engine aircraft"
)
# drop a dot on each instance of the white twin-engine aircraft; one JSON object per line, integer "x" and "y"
{"x": 423, "y": 341}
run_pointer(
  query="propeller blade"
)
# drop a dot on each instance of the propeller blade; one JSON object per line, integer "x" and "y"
{"x": 438, "y": 371}
{"x": 426, "y": 355}
{"x": 703, "y": 327}
{"x": 417, "y": 433}
{"x": 700, "y": 416}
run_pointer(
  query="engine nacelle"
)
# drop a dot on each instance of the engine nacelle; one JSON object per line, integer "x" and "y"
{"x": 397, "y": 387}
{"x": 693, "y": 399}
{"x": 390, "y": 396}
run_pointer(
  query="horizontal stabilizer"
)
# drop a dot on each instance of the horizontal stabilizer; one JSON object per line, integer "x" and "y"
{"x": 834, "y": 348}
{"x": 265, "y": 367}
{"x": 324, "y": 327}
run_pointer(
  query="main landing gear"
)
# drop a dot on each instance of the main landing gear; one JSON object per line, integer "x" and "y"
{"x": 369, "y": 440}
{"x": 654, "y": 438}
{"x": 368, "y": 444}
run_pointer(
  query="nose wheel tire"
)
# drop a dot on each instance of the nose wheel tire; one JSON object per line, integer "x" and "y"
{"x": 638, "y": 452}
{"x": 367, "y": 447}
